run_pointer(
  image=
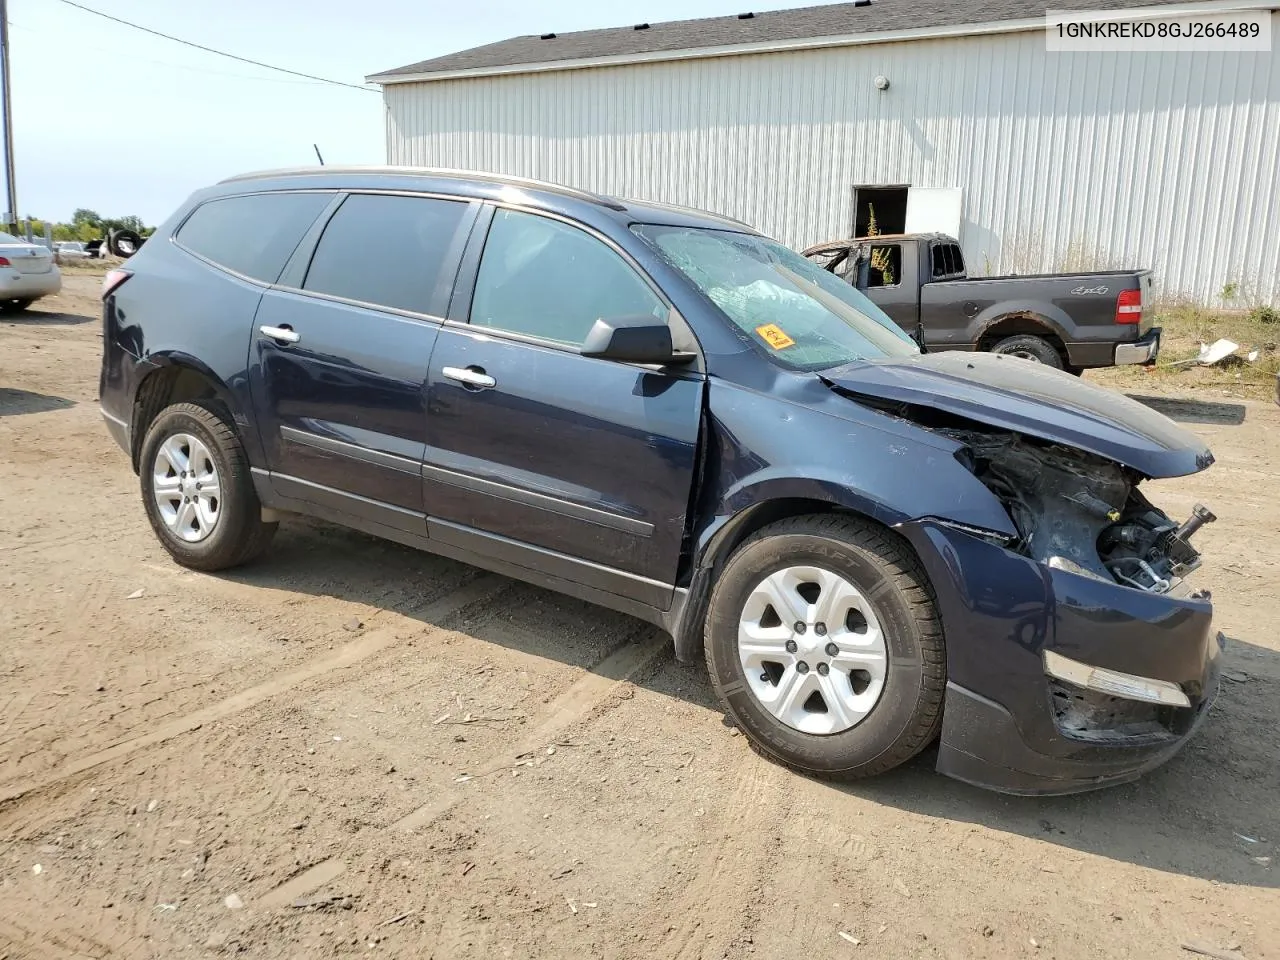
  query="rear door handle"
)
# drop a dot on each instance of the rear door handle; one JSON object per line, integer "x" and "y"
{"x": 280, "y": 334}
{"x": 471, "y": 376}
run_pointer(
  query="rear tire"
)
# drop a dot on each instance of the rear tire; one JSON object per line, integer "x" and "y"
{"x": 187, "y": 443}
{"x": 1030, "y": 347}
{"x": 887, "y": 593}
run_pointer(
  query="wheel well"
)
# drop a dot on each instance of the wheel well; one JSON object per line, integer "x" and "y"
{"x": 1015, "y": 324}
{"x": 686, "y": 630}
{"x": 755, "y": 518}
{"x": 161, "y": 389}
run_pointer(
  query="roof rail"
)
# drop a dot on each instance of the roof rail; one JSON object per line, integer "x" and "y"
{"x": 476, "y": 175}
{"x": 681, "y": 208}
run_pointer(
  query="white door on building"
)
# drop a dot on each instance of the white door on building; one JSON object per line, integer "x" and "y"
{"x": 933, "y": 210}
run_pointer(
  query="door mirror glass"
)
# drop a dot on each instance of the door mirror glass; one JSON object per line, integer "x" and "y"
{"x": 639, "y": 338}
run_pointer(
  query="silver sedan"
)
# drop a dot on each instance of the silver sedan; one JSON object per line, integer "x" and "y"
{"x": 27, "y": 273}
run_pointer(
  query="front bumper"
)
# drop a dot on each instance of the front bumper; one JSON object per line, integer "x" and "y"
{"x": 1144, "y": 350}
{"x": 1010, "y": 727}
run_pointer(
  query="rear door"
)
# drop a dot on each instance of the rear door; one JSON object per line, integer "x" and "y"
{"x": 576, "y": 466}
{"x": 340, "y": 352}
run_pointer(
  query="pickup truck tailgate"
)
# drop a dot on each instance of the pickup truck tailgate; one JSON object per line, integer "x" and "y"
{"x": 1147, "y": 287}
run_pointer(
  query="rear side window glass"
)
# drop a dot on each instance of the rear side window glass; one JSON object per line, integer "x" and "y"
{"x": 947, "y": 261}
{"x": 252, "y": 235}
{"x": 385, "y": 250}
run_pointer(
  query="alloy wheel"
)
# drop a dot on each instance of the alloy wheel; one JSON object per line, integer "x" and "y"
{"x": 185, "y": 484}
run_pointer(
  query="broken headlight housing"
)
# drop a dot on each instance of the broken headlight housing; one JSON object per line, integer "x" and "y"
{"x": 1079, "y": 512}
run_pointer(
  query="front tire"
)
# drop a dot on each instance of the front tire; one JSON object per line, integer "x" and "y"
{"x": 845, "y": 699}
{"x": 16, "y": 306}
{"x": 198, "y": 491}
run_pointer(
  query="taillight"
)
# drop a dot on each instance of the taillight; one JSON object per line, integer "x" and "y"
{"x": 112, "y": 280}
{"x": 1129, "y": 306}
{"x": 4, "y": 262}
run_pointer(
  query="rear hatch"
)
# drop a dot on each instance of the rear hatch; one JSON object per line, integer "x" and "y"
{"x": 27, "y": 257}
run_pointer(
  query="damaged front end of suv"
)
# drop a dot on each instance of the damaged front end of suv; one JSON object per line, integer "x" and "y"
{"x": 1080, "y": 512}
{"x": 1079, "y": 654}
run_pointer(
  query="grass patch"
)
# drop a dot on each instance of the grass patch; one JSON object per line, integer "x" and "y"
{"x": 89, "y": 268}
{"x": 1187, "y": 326}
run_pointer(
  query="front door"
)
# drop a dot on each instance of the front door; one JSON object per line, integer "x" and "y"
{"x": 340, "y": 356}
{"x": 576, "y": 466}
{"x": 882, "y": 268}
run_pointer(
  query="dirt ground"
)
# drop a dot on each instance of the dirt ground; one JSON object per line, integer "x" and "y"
{"x": 351, "y": 748}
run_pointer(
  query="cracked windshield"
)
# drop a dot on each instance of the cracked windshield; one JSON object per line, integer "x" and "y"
{"x": 800, "y": 315}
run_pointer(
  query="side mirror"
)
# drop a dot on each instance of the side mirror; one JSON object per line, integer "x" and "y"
{"x": 636, "y": 339}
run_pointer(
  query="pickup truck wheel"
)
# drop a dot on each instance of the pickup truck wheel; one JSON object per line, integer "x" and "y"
{"x": 197, "y": 489}
{"x": 1030, "y": 347}
{"x": 823, "y": 643}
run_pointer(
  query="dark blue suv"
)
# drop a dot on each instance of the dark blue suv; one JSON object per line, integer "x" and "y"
{"x": 664, "y": 412}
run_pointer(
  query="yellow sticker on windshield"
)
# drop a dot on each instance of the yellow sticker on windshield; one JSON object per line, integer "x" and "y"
{"x": 772, "y": 334}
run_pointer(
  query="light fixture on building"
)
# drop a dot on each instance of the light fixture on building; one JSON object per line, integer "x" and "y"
{"x": 882, "y": 82}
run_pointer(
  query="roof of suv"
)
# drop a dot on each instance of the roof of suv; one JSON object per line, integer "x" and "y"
{"x": 485, "y": 186}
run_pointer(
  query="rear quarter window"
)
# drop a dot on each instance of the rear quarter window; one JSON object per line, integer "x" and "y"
{"x": 254, "y": 235}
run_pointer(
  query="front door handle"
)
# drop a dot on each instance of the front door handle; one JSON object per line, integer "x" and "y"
{"x": 471, "y": 376}
{"x": 280, "y": 334}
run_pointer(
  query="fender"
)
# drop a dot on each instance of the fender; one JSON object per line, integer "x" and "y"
{"x": 747, "y": 508}
{"x": 1043, "y": 313}
{"x": 176, "y": 360}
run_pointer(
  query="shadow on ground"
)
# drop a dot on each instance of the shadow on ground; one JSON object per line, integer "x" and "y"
{"x": 13, "y": 402}
{"x": 1194, "y": 411}
{"x": 1181, "y": 819}
{"x": 47, "y": 318}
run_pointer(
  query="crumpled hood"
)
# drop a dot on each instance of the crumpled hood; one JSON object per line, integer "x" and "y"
{"x": 1032, "y": 399}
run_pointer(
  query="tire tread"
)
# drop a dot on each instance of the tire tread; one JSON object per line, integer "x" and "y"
{"x": 254, "y": 535}
{"x": 908, "y": 575}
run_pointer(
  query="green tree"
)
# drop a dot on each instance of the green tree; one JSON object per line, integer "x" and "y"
{"x": 83, "y": 216}
{"x": 130, "y": 223}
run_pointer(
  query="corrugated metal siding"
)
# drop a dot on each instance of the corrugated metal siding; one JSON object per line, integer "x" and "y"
{"x": 1066, "y": 160}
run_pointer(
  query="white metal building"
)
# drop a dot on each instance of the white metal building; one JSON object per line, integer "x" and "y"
{"x": 1039, "y": 160}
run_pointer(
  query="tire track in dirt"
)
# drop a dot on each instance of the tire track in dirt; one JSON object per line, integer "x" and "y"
{"x": 45, "y": 942}
{"x": 88, "y": 604}
{"x": 713, "y": 900}
{"x": 636, "y": 651}
{"x": 581, "y": 697}
{"x": 481, "y": 589}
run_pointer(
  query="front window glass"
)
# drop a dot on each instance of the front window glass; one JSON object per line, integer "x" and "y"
{"x": 543, "y": 278}
{"x": 801, "y": 316}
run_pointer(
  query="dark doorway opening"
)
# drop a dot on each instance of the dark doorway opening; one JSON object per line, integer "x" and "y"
{"x": 887, "y": 206}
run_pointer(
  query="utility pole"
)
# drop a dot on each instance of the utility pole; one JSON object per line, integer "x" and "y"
{"x": 11, "y": 189}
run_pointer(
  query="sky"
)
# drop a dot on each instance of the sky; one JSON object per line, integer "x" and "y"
{"x": 124, "y": 123}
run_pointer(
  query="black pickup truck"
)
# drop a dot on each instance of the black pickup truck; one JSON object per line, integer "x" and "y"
{"x": 1072, "y": 321}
